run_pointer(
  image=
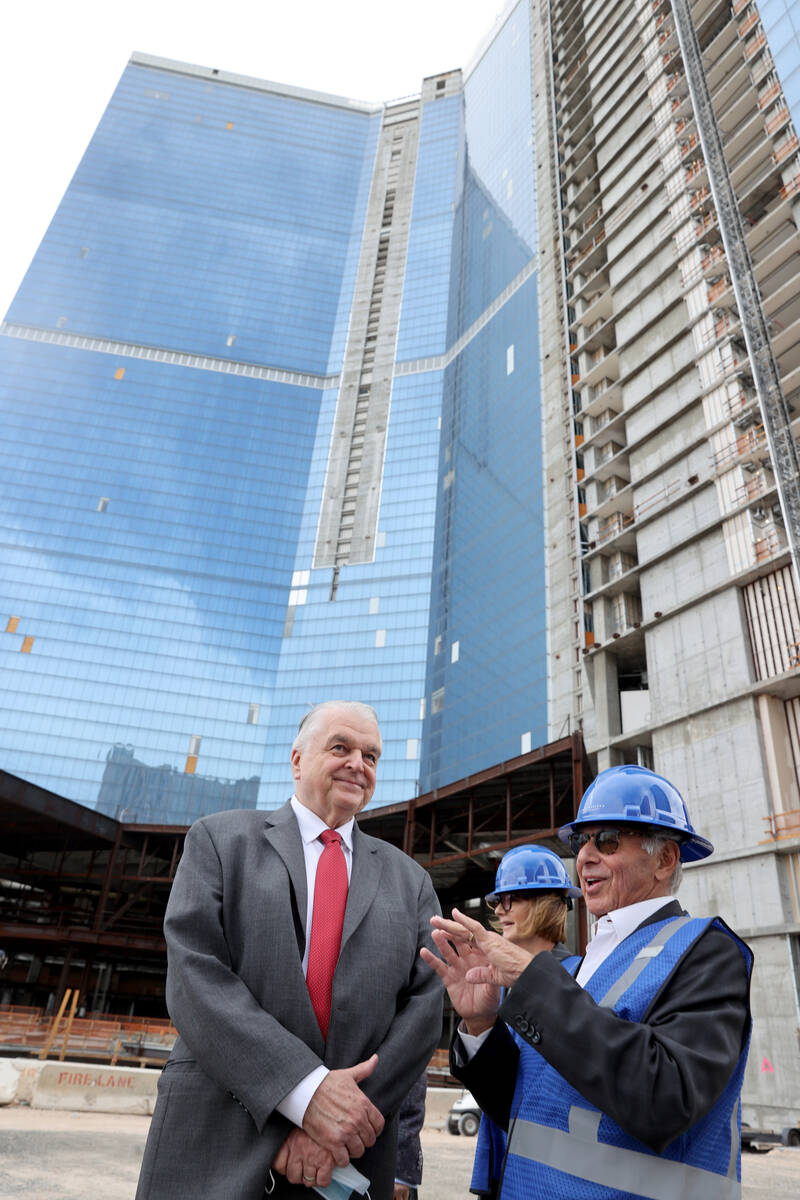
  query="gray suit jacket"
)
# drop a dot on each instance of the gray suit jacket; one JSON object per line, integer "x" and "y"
{"x": 235, "y": 930}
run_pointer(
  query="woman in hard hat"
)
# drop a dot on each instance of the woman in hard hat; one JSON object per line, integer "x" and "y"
{"x": 531, "y": 899}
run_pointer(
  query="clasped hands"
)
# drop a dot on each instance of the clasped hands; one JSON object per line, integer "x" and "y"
{"x": 339, "y": 1123}
{"x": 475, "y": 963}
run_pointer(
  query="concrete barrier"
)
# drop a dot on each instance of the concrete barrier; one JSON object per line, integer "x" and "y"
{"x": 19, "y": 1076}
{"x": 9, "y": 1078}
{"x": 83, "y": 1088}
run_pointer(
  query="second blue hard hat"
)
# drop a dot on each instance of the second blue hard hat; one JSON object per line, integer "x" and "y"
{"x": 531, "y": 869}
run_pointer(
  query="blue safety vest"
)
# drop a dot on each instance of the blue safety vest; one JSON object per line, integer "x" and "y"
{"x": 490, "y": 1154}
{"x": 560, "y": 1147}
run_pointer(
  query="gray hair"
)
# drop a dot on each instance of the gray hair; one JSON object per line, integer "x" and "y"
{"x": 312, "y": 718}
{"x": 654, "y": 844}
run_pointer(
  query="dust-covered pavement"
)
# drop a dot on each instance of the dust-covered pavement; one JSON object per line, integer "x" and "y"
{"x": 69, "y": 1156}
{"x": 83, "y": 1156}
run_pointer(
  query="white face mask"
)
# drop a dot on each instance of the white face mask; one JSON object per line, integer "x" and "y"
{"x": 344, "y": 1181}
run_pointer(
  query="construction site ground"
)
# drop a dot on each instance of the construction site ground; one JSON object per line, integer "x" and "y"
{"x": 80, "y": 1156}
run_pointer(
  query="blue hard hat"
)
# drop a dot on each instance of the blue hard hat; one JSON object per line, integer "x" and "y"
{"x": 531, "y": 869}
{"x": 632, "y": 795}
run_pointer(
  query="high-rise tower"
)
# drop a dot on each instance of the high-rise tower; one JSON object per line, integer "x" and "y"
{"x": 675, "y": 518}
{"x": 273, "y": 436}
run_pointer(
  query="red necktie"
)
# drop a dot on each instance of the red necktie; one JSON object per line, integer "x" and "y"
{"x": 330, "y": 898}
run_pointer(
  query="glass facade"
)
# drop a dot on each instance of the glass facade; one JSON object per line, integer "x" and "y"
{"x": 202, "y": 212}
{"x": 781, "y": 22}
{"x": 169, "y": 379}
{"x": 488, "y": 626}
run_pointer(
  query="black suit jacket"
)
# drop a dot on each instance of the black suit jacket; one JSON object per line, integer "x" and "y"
{"x": 654, "y": 1078}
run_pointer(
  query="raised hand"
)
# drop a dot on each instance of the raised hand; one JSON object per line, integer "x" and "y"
{"x": 478, "y": 959}
{"x": 340, "y": 1117}
{"x": 461, "y": 952}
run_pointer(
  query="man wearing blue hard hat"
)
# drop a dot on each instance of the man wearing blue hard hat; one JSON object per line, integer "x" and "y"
{"x": 624, "y": 1072}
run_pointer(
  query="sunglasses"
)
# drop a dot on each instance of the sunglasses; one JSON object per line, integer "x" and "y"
{"x": 606, "y": 840}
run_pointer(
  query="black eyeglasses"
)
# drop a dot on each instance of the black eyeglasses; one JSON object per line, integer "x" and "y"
{"x": 506, "y": 899}
{"x": 606, "y": 840}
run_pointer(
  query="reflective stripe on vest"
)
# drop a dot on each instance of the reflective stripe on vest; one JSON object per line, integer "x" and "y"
{"x": 579, "y": 1153}
{"x": 648, "y": 952}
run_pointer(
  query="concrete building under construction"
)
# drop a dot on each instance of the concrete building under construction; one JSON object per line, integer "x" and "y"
{"x": 671, "y": 255}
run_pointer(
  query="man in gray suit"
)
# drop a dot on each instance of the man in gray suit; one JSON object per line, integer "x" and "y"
{"x": 265, "y": 1090}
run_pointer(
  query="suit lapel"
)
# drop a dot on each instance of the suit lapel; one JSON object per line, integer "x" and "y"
{"x": 364, "y": 879}
{"x": 283, "y": 835}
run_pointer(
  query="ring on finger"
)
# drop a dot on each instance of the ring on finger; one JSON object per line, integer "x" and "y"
{"x": 471, "y": 940}
{"x": 310, "y": 1178}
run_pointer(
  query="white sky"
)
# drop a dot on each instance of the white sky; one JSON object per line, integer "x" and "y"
{"x": 63, "y": 58}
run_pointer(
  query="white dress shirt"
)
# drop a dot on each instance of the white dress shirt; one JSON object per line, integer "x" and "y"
{"x": 608, "y": 932}
{"x": 294, "y": 1104}
{"x": 612, "y": 929}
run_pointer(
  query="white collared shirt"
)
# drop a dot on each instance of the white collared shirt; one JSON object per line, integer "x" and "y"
{"x": 612, "y": 929}
{"x": 294, "y": 1104}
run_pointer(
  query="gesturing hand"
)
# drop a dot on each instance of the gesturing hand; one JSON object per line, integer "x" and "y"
{"x": 460, "y": 953}
{"x": 475, "y": 964}
{"x": 340, "y": 1117}
{"x": 302, "y": 1160}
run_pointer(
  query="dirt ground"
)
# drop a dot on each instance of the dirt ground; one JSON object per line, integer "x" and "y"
{"x": 83, "y": 1156}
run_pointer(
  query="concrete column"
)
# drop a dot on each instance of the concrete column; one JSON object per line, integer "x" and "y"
{"x": 778, "y": 755}
{"x": 606, "y": 703}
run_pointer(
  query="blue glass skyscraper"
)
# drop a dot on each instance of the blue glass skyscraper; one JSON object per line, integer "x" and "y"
{"x": 272, "y": 435}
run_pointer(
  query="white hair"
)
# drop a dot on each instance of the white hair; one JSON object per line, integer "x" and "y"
{"x": 313, "y": 716}
{"x": 654, "y": 844}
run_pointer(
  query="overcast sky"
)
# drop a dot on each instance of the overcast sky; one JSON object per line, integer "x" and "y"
{"x": 63, "y": 58}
